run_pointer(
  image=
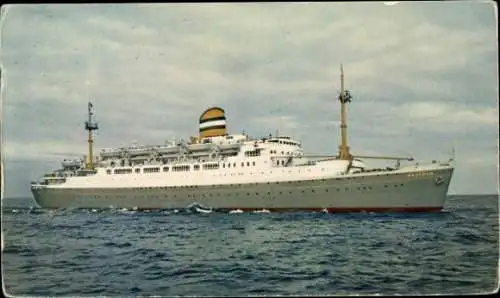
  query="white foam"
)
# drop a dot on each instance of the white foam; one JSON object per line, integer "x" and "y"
{"x": 236, "y": 211}
{"x": 262, "y": 211}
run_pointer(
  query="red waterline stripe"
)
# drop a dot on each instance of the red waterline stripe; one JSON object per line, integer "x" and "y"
{"x": 331, "y": 210}
{"x": 352, "y": 209}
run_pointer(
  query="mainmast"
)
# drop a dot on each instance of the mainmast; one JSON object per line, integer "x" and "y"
{"x": 90, "y": 126}
{"x": 344, "y": 98}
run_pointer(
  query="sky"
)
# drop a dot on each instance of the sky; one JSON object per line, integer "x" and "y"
{"x": 423, "y": 76}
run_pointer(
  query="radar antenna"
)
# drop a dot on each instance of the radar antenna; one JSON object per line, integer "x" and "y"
{"x": 90, "y": 126}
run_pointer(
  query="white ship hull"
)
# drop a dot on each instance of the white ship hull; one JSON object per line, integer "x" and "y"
{"x": 233, "y": 171}
{"x": 400, "y": 190}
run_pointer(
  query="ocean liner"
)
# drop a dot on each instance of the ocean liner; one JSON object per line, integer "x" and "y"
{"x": 236, "y": 172}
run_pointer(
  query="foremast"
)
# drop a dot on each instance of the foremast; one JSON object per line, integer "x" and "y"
{"x": 344, "y": 152}
{"x": 90, "y": 126}
{"x": 344, "y": 98}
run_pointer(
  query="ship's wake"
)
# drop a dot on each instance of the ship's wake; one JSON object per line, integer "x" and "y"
{"x": 235, "y": 211}
{"x": 262, "y": 211}
{"x": 196, "y": 208}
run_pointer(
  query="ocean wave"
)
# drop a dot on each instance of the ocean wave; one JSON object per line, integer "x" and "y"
{"x": 113, "y": 252}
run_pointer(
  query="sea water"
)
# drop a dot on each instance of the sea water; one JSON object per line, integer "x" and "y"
{"x": 183, "y": 252}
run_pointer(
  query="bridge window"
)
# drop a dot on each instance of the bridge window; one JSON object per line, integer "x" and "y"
{"x": 196, "y": 167}
{"x": 165, "y": 169}
{"x": 183, "y": 168}
{"x": 151, "y": 170}
{"x": 210, "y": 166}
{"x": 123, "y": 171}
{"x": 108, "y": 172}
{"x": 252, "y": 153}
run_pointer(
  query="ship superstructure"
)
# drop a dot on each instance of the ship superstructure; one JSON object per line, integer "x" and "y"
{"x": 234, "y": 171}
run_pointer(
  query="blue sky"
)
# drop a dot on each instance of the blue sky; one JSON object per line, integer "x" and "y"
{"x": 424, "y": 79}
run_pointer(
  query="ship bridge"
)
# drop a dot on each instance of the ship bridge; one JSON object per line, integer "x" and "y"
{"x": 284, "y": 141}
{"x": 282, "y": 147}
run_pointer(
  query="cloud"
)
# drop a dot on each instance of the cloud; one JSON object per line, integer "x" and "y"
{"x": 424, "y": 76}
{"x": 446, "y": 117}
